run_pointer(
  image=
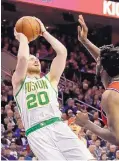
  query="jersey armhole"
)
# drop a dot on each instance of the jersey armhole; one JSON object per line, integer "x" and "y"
{"x": 113, "y": 89}
{"x": 20, "y": 87}
{"x": 46, "y": 76}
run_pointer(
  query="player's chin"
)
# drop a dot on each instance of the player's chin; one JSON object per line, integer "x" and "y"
{"x": 34, "y": 69}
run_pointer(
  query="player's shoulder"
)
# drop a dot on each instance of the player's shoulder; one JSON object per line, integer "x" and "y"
{"x": 53, "y": 82}
{"x": 49, "y": 78}
{"x": 17, "y": 85}
{"x": 110, "y": 96}
{"x": 106, "y": 94}
{"x": 14, "y": 80}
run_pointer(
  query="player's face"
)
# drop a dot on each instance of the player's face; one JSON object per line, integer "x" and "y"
{"x": 34, "y": 65}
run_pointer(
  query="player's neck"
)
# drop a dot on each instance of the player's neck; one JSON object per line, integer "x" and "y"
{"x": 33, "y": 75}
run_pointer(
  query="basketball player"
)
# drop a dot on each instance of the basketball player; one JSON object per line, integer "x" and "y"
{"x": 37, "y": 100}
{"x": 107, "y": 59}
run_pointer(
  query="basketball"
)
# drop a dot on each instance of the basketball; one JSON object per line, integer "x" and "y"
{"x": 29, "y": 27}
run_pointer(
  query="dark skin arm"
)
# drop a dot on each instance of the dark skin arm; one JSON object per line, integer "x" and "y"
{"x": 110, "y": 101}
{"x": 82, "y": 37}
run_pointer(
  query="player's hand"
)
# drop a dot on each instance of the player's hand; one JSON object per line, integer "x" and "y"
{"x": 43, "y": 29}
{"x": 19, "y": 36}
{"x": 83, "y": 30}
{"x": 81, "y": 119}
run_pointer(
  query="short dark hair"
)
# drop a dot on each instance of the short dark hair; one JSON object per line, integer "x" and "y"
{"x": 110, "y": 59}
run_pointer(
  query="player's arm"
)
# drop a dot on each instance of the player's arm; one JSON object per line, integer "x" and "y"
{"x": 105, "y": 134}
{"x": 22, "y": 60}
{"x": 110, "y": 100}
{"x": 111, "y": 103}
{"x": 82, "y": 37}
{"x": 83, "y": 120}
{"x": 58, "y": 63}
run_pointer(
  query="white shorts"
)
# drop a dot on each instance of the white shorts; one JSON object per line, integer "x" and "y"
{"x": 58, "y": 142}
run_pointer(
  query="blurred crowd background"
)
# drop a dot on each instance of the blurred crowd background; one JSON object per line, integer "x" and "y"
{"x": 78, "y": 90}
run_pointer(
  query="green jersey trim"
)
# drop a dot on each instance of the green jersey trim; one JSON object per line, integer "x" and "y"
{"x": 42, "y": 124}
{"x": 51, "y": 85}
{"x": 17, "y": 104}
{"x": 20, "y": 87}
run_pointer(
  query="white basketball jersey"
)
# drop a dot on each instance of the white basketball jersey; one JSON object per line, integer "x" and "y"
{"x": 37, "y": 101}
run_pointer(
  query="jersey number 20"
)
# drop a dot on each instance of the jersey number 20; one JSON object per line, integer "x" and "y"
{"x": 42, "y": 98}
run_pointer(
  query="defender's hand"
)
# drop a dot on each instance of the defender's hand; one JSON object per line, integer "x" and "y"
{"x": 43, "y": 29}
{"x": 83, "y": 30}
{"x": 81, "y": 119}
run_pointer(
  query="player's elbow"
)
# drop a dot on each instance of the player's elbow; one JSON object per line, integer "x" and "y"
{"x": 116, "y": 135}
{"x": 64, "y": 51}
{"x": 115, "y": 139}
